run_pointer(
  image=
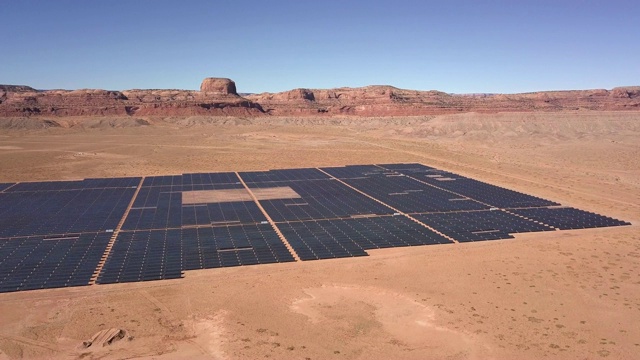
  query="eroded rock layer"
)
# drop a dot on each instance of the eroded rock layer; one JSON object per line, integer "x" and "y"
{"x": 218, "y": 97}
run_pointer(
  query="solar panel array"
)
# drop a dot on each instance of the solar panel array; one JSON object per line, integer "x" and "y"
{"x": 319, "y": 199}
{"x": 142, "y": 256}
{"x": 50, "y": 211}
{"x": 325, "y": 239}
{"x": 492, "y": 195}
{"x": 213, "y": 247}
{"x": 4, "y": 186}
{"x": 38, "y": 262}
{"x": 68, "y": 233}
{"x": 569, "y": 218}
{"x": 480, "y": 225}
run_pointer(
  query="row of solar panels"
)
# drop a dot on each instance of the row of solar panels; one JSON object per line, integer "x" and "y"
{"x": 71, "y": 260}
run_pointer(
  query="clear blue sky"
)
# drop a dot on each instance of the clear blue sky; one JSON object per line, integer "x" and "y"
{"x": 271, "y": 45}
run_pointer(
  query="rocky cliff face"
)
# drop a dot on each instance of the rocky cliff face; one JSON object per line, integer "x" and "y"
{"x": 218, "y": 97}
{"x": 390, "y": 101}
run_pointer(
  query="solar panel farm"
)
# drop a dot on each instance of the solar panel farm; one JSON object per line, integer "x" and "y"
{"x": 71, "y": 233}
{"x": 320, "y": 240}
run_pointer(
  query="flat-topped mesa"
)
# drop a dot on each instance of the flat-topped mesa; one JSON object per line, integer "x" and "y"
{"x": 218, "y": 85}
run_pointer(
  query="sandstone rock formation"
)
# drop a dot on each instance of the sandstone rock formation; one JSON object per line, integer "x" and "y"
{"x": 218, "y": 85}
{"x": 391, "y": 101}
{"x": 218, "y": 97}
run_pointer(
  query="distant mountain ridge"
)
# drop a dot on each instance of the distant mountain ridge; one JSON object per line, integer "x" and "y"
{"x": 218, "y": 97}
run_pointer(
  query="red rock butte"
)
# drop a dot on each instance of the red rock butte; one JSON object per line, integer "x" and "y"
{"x": 218, "y": 85}
{"x": 218, "y": 97}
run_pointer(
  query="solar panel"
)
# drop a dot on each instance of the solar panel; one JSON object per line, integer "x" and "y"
{"x": 143, "y": 256}
{"x": 493, "y": 195}
{"x": 5, "y": 186}
{"x": 479, "y": 225}
{"x": 240, "y": 212}
{"x": 319, "y": 199}
{"x": 162, "y": 180}
{"x": 282, "y": 175}
{"x": 76, "y": 184}
{"x": 209, "y": 178}
{"x": 410, "y": 196}
{"x": 155, "y": 208}
{"x": 28, "y": 263}
{"x": 57, "y": 212}
{"x": 569, "y": 218}
{"x": 212, "y": 247}
{"x": 408, "y": 169}
{"x": 325, "y": 239}
{"x": 356, "y": 171}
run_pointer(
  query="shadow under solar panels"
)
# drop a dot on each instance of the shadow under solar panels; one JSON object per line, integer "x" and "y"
{"x": 326, "y": 239}
{"x": 225, "y": 246}
{"x": 411, "y": 196}
{"x": 28, "y": 263}
{"x": 143, "y": 256}
{"x": 282, "y": 175}
{"x": 567, "y": 218}
{"x": 479, "y": 225}
{"x": 59, "y": 212}
{"x": 319, "y": 199}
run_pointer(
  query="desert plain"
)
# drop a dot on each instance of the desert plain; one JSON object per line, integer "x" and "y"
{"x": 557, "y": 295}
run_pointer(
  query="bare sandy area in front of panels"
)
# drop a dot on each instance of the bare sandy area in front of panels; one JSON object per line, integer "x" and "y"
{"x": 564, "y": 295}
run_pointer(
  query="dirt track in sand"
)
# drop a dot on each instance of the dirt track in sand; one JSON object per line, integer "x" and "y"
{"x": 570, "y": 294}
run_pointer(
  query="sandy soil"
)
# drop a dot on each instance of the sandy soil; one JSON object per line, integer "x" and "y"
{"x": 565, "y": 295}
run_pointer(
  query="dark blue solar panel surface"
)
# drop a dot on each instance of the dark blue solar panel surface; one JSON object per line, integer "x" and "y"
{"x": 240, "y": 212}
{"x": 224, "y": 246}
{"x": 282, "y": 175}
{"x": 489, "y": 194}
{"x": 569, "y": 218}
{"x": 5, "y": 186}
{"x": 76, "y": 185}
{"x": 411, "y": 168}
{"x": 158, "y": 207}
{"x": 28, "y": 263}
{"x": 164, "y": 180}
{"x": 320, "y": 199}
{"x": 479, "y": 225}
{"x": 411, "y": 196}
{"x": 58, "y": 212}
{"x": 356, "y": 171}
{"x": 325, "y": 239}
{"x": 143, "y": 256}
{"x": 210, "y": 178}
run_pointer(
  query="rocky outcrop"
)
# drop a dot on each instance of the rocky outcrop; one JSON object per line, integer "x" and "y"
{"x": 218, "y": 97}
{"x": 391, "y": 101}
{"x": 218, "y": 86}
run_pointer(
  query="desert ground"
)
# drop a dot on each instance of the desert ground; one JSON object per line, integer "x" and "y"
{"x": 561, "y": 295}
